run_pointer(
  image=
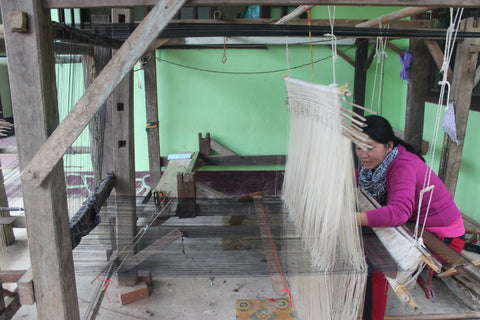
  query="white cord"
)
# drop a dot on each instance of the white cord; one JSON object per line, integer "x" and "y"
{"x": 331, "y": 19}
{"x": 450, "y": 38}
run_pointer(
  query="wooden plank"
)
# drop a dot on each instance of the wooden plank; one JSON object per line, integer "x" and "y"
{"x": 31, "y": 65}
{"x": 151, "y": 105}
{"x": 437, "y": 55}
{"x": 25, "y": 288}
{"x": 133, "y": 48}
{"x": 462, "y": 87}
{"x": 415, "y": 112}
{"x": 143, "y": 3}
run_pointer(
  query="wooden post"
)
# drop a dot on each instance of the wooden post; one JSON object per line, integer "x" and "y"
{"x": 360, "y": 79}
{"x": 462, "y": 87}
{"x": 124, "y": 153}
{"x": 77, "y": 119}
{"x": 415, "y": 112}
{"x": 151, "y": 103}
{"x": 31, "y": 71}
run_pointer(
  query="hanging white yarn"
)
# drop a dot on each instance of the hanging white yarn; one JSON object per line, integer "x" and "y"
{"x": 319, "y": 193}
{"x": 451, "y": 36}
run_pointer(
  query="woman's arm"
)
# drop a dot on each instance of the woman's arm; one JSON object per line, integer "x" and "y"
{"x": 362, "y": 218}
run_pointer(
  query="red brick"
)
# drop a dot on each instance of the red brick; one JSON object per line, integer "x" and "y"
{"x": 130, "y": 294}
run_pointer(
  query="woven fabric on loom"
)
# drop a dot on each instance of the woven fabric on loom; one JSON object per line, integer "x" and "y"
{"x": 319, "y": 193}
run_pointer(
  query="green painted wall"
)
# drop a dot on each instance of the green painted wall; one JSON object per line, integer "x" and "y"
{"x": 242, "y": 102}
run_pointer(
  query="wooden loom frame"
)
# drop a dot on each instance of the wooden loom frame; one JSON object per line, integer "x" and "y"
{"x": 55, "y": 283}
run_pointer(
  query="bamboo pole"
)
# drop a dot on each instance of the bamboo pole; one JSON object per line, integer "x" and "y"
{"x": 397, "y": 15}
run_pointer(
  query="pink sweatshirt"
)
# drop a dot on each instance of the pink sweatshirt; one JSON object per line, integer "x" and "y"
{"x": 405, "y": 177}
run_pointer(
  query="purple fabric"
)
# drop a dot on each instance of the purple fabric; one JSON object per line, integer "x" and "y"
{"x": 406, "y": 61}
{"x": 405, "y": 178}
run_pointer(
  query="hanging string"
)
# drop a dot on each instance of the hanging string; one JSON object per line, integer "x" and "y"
{"x": 331, "y": 19}
{"x": 380, "y": 54}
{"x": 310, "y": 41}
{"x": 288, "y": 56}
{"x": 445, "y": 88}
{"x": 224, "y": 58}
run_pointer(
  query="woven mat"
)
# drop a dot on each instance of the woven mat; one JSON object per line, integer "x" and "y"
{"x": 267, "y": 309}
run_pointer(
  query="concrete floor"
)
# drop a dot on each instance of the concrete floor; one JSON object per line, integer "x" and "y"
{"x": 200, "y": 298}
{"x": 187, "y": 298}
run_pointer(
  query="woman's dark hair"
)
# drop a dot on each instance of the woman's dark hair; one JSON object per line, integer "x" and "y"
{"x": 380, "y": 130}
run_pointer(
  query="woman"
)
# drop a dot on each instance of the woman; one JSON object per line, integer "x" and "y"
{"x": 394, "y": 174}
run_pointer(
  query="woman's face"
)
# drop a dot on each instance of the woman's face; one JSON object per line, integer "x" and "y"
{"x": 372, "y": 157}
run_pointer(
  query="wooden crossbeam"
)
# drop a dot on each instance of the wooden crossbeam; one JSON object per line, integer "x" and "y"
{"x": 138, "y": 3}
{"x": 102, "y": 87}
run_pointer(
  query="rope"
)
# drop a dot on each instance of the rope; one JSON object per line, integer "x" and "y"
{"x": 310, "y": 41}
{"x": 331, "y": 19}
{"x": 451, "y": 36}
{"x": 380, "y": 53}
{"x": 270, "y": 238}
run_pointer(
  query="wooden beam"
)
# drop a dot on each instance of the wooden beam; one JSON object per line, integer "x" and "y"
{"x": 437, "y": 55}
{"x": 11, "y": 276}
{"x": 31, "y": 65}
{"x": 154, "y": 248}
{"x": 143, "y": 3}
{"x": 395, "y": 49}
{"x": 122, "y": 63}
{"x": 359, "y": 80}
{"x": 25, "y": 288}
{"x": 462, "y": 87}
{"x": 415, "y": 112}
{"x": 298, "y": 11}
{"x": 124, "y": 153}
{"x": 151, "y": 105}
{"x": 477, "y": 77}
{"x": 397, "y": 15}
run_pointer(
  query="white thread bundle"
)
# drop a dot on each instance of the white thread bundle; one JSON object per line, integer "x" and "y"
{"x": 403, "y": 249}
{"x": 319, "y": 193}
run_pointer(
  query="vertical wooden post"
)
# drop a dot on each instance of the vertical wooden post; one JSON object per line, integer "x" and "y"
{"x": 31, "y": 70}
{"x": 124, "y": 152}
{"x": 153, "y": 128}
{"x": 462, "y": 87}
{"x": 360, "y": 79}
{"x": 415, "y": 112}
{"x": 100, "y": 127}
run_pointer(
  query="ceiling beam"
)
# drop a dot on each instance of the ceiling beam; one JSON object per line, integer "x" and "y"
{"x": 143, "y": 3}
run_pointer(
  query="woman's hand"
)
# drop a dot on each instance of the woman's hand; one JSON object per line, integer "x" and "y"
{"x": 362, "y": 218}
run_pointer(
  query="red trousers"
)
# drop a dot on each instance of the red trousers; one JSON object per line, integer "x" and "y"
{"x": 377, "y": 286}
